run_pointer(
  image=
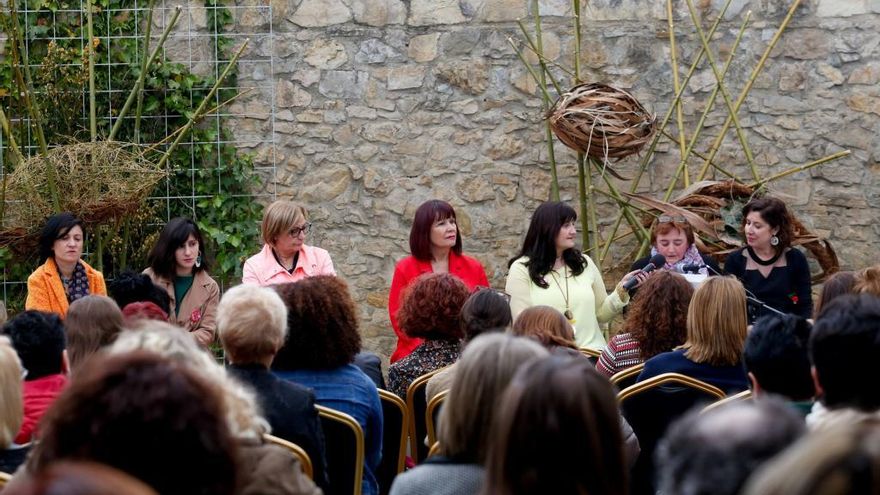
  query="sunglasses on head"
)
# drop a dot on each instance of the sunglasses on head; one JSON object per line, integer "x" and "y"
{"x": 671, "y": 219}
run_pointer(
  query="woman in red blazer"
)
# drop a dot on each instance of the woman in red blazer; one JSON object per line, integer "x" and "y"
{"x": 435, "y": 247}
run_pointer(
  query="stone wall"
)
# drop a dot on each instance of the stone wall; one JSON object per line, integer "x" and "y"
{"x": 382, "y": 104}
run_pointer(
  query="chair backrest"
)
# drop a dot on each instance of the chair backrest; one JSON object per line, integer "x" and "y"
{"x": 417, "y": 406}
{"x": 432, "y": 415}
{"x": 627, "y": 377}
{"x": 344, "y": 439}
{"x": 650, "y": 407}
{"x": 394, "y": 428}
{"x": 435, "y": 449}
{"x": 742, "y": 396}
{"x": 305, "y": 461}
{"x": 4, "y": 478}
{"x": 591, "y": 354}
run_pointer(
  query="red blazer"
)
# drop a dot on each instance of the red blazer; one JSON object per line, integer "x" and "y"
{"x": 468, "y": 269}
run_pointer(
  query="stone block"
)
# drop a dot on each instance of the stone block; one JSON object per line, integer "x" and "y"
{"x": 841, "y": 8}
{"x": 475, "y": 189}
{"x": 289, "y": 95}
{"x": 379, "y": 12}
{"x": 325, "y": 54}
{"x": 434, "y": 12}
{"x": 869, "y": 74}
{"x": 423, "y": 48}
{"x": 324, "y": 184}
{"x": 470, "y": 76}
{"x": 373, "y": 51}
{"x": 344, "y": 84}
{"x": 806, "y": 44}
{"x": 406, "y": 77}
{"x": 862, "y": 102}
{"x": 320, "y": 13}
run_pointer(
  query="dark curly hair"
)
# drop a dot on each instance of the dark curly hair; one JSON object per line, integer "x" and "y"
{"x": 774, "y": 212}
{"x": 431, "y": 307}
{"x": 657, "y": 318}
{"x": 146, "y": 416}
{"x": 321, "y": 322}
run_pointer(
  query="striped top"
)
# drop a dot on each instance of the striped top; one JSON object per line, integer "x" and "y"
{"x": 622, "y": 352}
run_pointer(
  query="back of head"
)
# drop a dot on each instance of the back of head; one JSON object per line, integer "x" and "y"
{"x": 845, "y": 351}
{"x": 717, "y": 322}
{"x": 657, "y": 317}
{"x": 322, "y": 325}
{"x": 430, "y": 307}
{"x": 38, "y": 339}
{"x": 252, "y": 323}
{"x": 776, "y": 355}
{"x": 92, "y": 323}
{"x": 557, "y": 431}
{"x": 80, "y": 478}
{"x": 148, "y": 416}
{"x": 839, "y": 284}
{"x": 130, "y": 287}
{"x": 546, "y": 325}
{"x": 11, "y": 407}
{"x": 714, "y": 453}
{"x": 482, "y": 373}
{"x": 867, "y": 281}
{"x": 144, "y": 310}
{"x": 843, "y": 459}
{"x": 485, "y": 310}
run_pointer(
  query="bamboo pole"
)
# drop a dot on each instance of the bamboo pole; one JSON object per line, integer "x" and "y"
{"x": 679, "y": 112}
{"x": 143, "y": 75}
{"x": 800, "y": 168}
{"x": 724, "y": 94}
{"x": 551, "y": 153}
{"x": 698, "y": 155}
{"x": 528, "y": 68}
{"x": 4, "y": 122}
{"x": 140, "y": 98}
{"x": 93, "y": 114}
{"x": 170, "y": 136}
{"x": 634, "y": 224}
{"x": 748, "y": 87}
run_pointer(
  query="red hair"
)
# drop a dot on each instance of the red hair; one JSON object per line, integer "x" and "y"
{"x": 431, "y": 307}
{"x": 143, "y": 310}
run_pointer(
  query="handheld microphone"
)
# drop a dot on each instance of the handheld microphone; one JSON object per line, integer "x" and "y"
{"x": 656, "y": 260}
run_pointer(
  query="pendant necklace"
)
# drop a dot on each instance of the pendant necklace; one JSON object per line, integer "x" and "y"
{"x": 568, "y": 314}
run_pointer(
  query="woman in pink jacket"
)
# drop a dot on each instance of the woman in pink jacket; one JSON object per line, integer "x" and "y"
{"x": 285, "y": 256}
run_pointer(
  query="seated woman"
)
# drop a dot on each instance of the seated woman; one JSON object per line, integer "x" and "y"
{"x": 557, "y": 430}
{"x": 92, "y": 324}
{"x": 81, "y": 478}
{"x": 716, "y": 334}
{"x": 673, "y": 237}
{"x": 11, "y": 408}
{"x": 285, "y": 256}
{"x": 431, "y": 310}
{"x": 656, "y": 322}
{"x": 179, "y": 264}
{"x": 549, "y": 327}
{"x": 321, "y": 344}
{"x": 839, "y": 284}
{"x": 484, "y": 371}
{"x": 252, "y": 325}
{"x": 64, "y": 277}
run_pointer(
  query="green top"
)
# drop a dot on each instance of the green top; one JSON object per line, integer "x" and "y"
{"x": 181, "y": 287}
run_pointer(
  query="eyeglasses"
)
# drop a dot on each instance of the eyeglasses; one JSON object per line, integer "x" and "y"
{"x": 500, "y": 293}
{"x": 296, "y": 231}
{"x": 671, "y": 219}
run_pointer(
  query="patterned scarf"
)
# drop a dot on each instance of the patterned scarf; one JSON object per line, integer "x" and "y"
{"x": 691, "y": 257}
{"x": 78, "y": 286}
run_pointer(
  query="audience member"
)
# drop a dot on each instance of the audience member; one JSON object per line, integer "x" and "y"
{"x": 484, "y": 371}
{"x": 656, "y": 322}
{"x": 716, "y": 332}
{"x": 92, "y": 323}
{"x": 430, "y": 310}
{"x": 777, "y": 361}
{"x": 557, "y": 431}
{"x": 265, "y": 469}
{"x": 130, "y": 287}
{"x": 80, "y": 478}
{"x": 839, "y": 284}
{"x": 132, "y": 313}
{"x": 845, "y": 352}
{"x": 321, "y": 344}
{"x": 38, "y": 339}
{"x": 150, "y": 417}
{"x": 11, "y": 409}
{"x": 867, "y": 281}
{"x": 252, "y": 325}
{"x": 486, "y": 310}
{"x": 714, "y": 453}
{"x": 549, "y": 327}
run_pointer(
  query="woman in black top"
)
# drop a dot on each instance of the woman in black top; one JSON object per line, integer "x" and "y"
{"x": 773, "y": 272}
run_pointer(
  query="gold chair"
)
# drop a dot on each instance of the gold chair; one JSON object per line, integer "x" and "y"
{"x": 394, "y": 429}
{"x": 417, "y": 406}
{"x": 627, "y": 377}
{"x": 305, "y": 461}
{"x": 590, "y": 353}
{"x": 4, "y": 478}
{"x": 435, "y": 449}
{"x": 432, "y": 416}
{"x": 742, "y": 396}
{"x": 344, "y": 439}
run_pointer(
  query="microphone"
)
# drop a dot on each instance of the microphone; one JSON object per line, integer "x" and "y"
{"x": 692, "y": 267}
{"x": 656, "y": 261}
{"x": 750, "y": 296}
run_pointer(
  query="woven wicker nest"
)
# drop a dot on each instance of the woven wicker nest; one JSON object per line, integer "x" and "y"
{"x": 601, "y": 121}
{"x": 713, "y": 208}
{"x": 98, "y": 182}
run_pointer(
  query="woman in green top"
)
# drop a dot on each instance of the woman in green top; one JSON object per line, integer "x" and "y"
{"x": 178, "y": 264}
{"x": 550, "y": 271}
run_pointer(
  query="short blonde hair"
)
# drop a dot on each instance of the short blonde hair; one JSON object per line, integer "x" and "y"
{"x": 279, "y": 217}
{"x": 11, "y": 408}
{"x": 717, "y": 322}
{"x": 868, "y": 281}
{"x": 252, "y": 323}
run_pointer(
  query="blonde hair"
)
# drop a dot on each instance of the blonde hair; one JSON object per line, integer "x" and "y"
{"x": 92, "y": 323}
{"x": 717, "y": 322}
{"x": 252, "y": 323}
{"x": 279, "y": 217}
{"x": 868, "y": 281}
{"x": 240, "y": 403}
{"x": 11, "y": 408}
{"x": 545, "y": 324}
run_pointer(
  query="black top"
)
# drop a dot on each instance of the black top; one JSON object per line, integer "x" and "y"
{"x": 11, "y": 458}
{"x": 371, "y": 365}
{"x": 290, "y": 410}
{"x": 786, "y": 288}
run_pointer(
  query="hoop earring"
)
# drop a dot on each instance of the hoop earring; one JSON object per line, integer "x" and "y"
{"x": 199, "y": 259}
{"x": 774, "y": 241}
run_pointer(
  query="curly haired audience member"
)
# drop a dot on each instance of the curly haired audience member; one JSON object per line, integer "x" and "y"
{"x": 321, "y": 344}
{"x": 11, "y": 410}
{"x": 131, "y": 287}
{"x": 867, "y": 281}
{"x": 92, "y": 323}
{"x": 38, "y": 339}
{"x": 656, "y": 322}
{"x": 430, "y": 310}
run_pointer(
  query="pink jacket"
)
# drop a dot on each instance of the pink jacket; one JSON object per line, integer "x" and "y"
{"x": 263, "y": 269}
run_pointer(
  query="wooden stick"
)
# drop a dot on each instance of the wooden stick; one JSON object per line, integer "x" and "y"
{"x": 679, "y": 113}
{"x": 800, "y": 168}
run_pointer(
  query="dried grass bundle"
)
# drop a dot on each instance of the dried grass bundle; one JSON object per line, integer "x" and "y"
{"x": 601, "y": 121}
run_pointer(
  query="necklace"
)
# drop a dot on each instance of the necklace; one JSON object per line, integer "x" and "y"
{"x": 568, "y": 314}
{"x": 758, "y": 260}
